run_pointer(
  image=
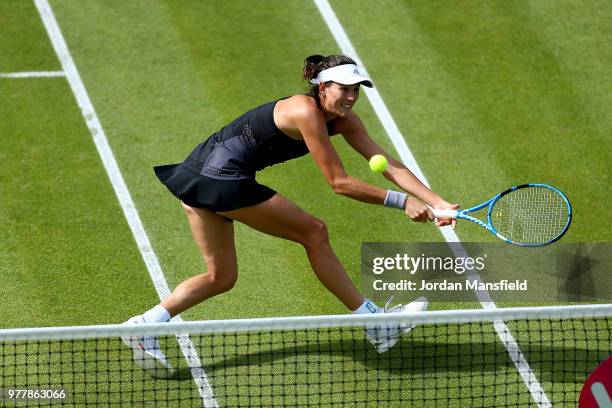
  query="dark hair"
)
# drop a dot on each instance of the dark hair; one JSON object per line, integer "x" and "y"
{"x": 317, "y": 63}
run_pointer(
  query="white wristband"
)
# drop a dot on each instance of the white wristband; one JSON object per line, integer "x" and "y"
{"x": 395, "y": 199}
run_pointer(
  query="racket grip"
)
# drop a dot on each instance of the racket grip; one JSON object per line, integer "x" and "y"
{"x": 445, "y": 213}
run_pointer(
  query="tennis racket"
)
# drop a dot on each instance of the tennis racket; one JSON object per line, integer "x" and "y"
{"x": 529, "y": 215}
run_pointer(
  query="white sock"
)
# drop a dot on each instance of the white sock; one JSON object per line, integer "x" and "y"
{"x": 367, "y": 307}
{"x": 156, "y": 315}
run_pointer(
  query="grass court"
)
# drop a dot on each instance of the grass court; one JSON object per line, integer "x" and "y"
{"x": 486, "y": 95}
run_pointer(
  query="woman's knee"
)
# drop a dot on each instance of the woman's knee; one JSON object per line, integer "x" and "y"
{"x": 316, "y": 233}
{"x": 223, "y": 282}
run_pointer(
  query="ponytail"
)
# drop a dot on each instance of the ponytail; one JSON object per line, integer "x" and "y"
{"x": 311, "y": 65}
{"x": 317, "y": 63}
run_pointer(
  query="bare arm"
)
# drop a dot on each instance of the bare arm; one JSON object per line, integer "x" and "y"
{"x": 300, "y": 116}
{"x": 311, "y": 125}
{"x": 357, "y": 137}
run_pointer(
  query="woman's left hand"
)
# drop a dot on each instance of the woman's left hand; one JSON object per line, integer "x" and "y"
{"x": 443, "y": 205}
{"x": 417, "y": 210}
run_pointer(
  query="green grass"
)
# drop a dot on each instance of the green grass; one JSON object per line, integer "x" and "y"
{"x": 24, "y": 44}
{"x": 487, "y": 96}
{"x": 497, "y": 95}
{"x": 67, "y": 253}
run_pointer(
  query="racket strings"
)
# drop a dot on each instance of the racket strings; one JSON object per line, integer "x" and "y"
{"x": 530, "y": 215}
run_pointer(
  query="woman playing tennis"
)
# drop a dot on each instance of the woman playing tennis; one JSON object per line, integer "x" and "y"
{"x": 216, "y": 186}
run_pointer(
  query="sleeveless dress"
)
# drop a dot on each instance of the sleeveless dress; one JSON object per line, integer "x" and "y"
{"x": 219, "y": 174}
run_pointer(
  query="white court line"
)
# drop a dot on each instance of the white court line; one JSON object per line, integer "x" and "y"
{"x": 408, "y": 158}
{"x": 121, "y": 190}
{"x": 32, "y": 74}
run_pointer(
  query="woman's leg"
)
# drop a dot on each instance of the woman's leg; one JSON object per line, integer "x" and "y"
{"x": 282, "y": 218}
{"x": 214, "y": 236}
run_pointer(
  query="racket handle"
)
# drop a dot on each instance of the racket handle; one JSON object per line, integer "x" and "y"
{"x": 445, "y": 213}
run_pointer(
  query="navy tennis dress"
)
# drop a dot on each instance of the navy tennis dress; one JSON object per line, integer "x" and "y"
{"x": 219, "y": 174}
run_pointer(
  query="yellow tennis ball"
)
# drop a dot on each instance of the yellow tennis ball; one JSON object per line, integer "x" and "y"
{"x": 378, "y": 163}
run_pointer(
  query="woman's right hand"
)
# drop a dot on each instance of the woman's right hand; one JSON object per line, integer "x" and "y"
{"x": 417, "y": 210}
{"x": 443, "y": 205}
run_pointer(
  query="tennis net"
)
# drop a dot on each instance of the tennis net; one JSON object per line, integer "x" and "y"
{"x": 516, "y": 357}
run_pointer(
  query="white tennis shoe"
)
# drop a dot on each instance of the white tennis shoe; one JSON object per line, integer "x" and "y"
{"x": 147, "y": 353}
{"x": 384, "y": 337}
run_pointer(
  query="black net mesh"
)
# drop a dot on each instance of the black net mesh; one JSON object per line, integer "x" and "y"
{"x": 435, "y": 365}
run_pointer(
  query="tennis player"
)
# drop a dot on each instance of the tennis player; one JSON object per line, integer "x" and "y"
{"x": 216, "y": 186}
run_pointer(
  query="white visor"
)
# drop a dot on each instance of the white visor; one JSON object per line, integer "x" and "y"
{"x": 347, "y": 74}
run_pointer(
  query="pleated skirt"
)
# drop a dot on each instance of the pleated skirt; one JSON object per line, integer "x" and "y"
{"x": 196, "y": 190}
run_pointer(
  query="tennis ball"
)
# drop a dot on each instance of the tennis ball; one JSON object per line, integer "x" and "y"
{"x": 378, "y": 163}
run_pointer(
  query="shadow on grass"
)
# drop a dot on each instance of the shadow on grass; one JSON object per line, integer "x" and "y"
{"x": 551, "y": 364}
